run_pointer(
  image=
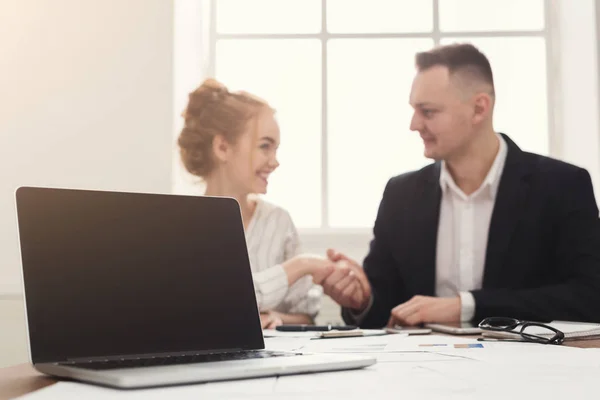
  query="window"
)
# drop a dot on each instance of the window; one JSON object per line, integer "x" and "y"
{"x": 339, "y": 74}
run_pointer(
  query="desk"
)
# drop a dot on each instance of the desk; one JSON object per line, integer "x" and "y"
{"x": 22, "y": 379}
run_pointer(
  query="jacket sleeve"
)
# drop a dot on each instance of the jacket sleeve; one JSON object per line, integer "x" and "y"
{"x": 577, "y": 257}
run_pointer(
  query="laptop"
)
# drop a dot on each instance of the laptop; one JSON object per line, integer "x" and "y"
{"x": 136, "y": 290}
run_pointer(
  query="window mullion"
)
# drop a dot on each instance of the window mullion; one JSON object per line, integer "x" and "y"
{"x": 436, "y": 23}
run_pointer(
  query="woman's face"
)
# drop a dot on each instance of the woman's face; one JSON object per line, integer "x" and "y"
{"x": 254, "y": 155}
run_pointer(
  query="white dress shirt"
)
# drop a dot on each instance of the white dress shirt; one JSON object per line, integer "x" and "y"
{"x": 272, "y": 238}
{"x": 462, "y": 235}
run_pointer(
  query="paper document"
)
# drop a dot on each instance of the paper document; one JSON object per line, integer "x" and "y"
{"x": 380, "y": 381}
{"x": 379, "y": 346}
{"x": 351, "y": 345}
{"x": 432, "y": 343}
{"x": 534, "y": 355}
{"x": 489, "y": 381}
{"x": 286, "y": 344}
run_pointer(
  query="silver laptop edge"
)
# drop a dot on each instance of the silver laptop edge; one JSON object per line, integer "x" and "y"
{"x": 210, "y": 372}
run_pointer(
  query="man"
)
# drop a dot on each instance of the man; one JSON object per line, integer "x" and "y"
{"x": 487, "y": 230}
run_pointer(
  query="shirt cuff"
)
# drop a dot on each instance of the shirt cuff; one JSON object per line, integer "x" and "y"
{"x": 358, "y": 317}
{"x": 467, "y": 306}
{"x": 270, "y": 286}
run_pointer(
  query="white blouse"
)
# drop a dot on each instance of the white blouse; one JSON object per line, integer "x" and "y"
{"x": 272, "y": 238}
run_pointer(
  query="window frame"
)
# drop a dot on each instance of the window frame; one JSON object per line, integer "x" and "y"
{"x": 325, "y": 232}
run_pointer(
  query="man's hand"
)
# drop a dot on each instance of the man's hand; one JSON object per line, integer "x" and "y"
{"x": 270, "y": 319}
{"x": 425, "y": 309}
{"x": 347, "y": 285}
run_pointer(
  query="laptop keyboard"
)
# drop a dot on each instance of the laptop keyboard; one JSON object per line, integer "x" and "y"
{"x": 176, "y": 360}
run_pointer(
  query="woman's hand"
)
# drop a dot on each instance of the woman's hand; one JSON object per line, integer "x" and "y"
{"x": 301, "y": 265}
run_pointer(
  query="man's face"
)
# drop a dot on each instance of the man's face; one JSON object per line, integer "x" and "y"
{"x": 442, "y": 114}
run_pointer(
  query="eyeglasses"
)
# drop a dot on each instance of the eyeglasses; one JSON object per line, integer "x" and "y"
{"x": 530, "y": 331}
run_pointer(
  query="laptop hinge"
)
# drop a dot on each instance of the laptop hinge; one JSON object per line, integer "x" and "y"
{"x": 152, "y": 355}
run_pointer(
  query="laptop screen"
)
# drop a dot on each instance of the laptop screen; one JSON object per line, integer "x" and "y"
{"x": 110, "y": 273}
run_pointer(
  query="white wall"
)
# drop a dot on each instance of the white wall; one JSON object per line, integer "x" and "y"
{"x": 85, "y": 101}
{"x": 190, "y": 67}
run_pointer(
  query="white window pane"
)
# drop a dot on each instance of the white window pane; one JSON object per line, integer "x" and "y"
{"x": 379, "y": 16}
{"x": 286, "y": 73}
{"x": 369, "y": 140}
{"x": 491, "y": 15}
{"x": 268, "y": 16}
{"x": 521, "y": 109}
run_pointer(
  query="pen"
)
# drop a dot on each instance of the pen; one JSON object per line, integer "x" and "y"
{"x": 317, "y": 328}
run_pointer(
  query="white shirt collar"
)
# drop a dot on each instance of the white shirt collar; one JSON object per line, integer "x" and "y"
{"x": 492, "y": 179}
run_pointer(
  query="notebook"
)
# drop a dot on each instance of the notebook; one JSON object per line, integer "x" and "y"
{"x": 572, "y": 331}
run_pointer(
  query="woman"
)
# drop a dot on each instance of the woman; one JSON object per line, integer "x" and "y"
{"x": 230, "y": 140}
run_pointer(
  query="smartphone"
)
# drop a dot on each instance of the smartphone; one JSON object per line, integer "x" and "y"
{"x": 463, "y": 328}
{"x": 410, "y": 330}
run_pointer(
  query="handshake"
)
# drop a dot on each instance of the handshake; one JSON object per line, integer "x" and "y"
{"x": 346, "y": 283}
{"x": 342, "y": 278}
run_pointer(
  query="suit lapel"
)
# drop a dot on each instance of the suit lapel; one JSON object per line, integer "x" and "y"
{"x": 424, "y": 232}
{"x": 512, "y": 194}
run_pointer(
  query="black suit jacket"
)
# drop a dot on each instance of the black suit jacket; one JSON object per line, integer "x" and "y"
{"x": 543, "y": 252}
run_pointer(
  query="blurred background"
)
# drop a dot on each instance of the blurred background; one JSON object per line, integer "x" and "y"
{"x": 91, "y": 93}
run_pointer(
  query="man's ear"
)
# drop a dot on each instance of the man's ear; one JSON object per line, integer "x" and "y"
{"x": 221, "y": 148}
{"x": 482, "y": 107}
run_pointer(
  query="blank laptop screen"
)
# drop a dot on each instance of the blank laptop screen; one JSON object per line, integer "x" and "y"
{"x": 109, "y": 273}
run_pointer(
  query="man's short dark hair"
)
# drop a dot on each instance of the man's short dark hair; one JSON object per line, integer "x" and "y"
{"x": 463, "y": 58}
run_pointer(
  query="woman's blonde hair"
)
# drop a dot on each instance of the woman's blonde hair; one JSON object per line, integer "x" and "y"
{"x": 213, "y": 110}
